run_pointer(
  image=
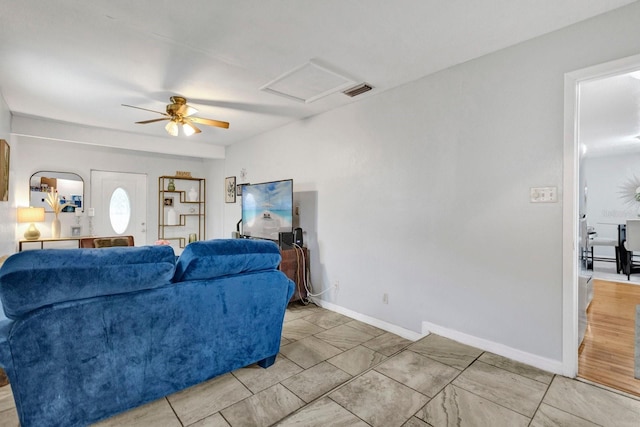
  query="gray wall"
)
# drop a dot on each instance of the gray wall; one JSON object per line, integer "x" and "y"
{"x": 423, "y": 191}
{"x": 7, "y": 209}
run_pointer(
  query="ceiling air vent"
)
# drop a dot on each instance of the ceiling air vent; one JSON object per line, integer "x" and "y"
{"x": 357, "y": 90}
{"x": 309, "y": 82}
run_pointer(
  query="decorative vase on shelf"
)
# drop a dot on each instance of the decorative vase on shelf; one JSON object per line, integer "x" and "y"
{"x": 193, "y": 195}
{"x": 57, "y": 205}
{"x": 171, "y": 186}
{"x": 172, "y": 217}
{"x": 55, "y": 228}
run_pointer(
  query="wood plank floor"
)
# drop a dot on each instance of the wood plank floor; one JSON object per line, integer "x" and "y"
{"x": 606, "y": 355}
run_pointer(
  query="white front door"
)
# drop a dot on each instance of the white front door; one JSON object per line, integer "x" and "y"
{"x": 119, "y": 201}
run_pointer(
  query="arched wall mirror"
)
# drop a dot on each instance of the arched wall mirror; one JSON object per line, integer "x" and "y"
{"x": 70, "y": 188}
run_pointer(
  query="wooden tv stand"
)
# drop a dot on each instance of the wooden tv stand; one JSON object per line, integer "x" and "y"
{"x": 292, "y": 266}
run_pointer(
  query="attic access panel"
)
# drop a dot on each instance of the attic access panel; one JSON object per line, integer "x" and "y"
{"x": 309, "y": 82}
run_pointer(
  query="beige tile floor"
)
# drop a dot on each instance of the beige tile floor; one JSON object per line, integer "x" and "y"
{"x": 336, "y": 371}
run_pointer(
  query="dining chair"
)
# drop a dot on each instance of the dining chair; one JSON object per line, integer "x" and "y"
{"x": 632, "y": 244}
{"x": 604, "y": 241}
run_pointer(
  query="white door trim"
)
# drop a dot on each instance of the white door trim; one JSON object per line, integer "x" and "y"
{"x": 570, "y": 204}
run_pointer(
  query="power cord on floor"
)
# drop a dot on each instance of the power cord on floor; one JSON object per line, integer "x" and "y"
{"x": 298, "y": 279}
{"x": 306, "y": 281}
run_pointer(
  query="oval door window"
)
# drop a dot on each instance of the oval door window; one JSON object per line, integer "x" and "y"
{"x": 119, "y": 210}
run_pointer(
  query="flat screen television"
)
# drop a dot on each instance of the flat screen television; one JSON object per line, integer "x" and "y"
{"x": 267, "y": 209}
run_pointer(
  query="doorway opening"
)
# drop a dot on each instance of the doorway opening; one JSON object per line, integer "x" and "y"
{"x": 577, "y": 270}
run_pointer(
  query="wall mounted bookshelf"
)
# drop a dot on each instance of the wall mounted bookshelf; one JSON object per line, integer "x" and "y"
{"x": 181, "y": 209}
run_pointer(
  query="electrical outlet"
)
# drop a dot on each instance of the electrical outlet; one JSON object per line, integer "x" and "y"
{"x": 385, "y": 298}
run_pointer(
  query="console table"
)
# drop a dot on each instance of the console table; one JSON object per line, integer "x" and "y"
{"x": 82, "y": 241}
{"x": 49, "y": 239}
{"x": 292, "y": 265}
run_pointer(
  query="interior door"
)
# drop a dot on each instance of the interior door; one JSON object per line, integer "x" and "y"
{"x": 119, "y": 201}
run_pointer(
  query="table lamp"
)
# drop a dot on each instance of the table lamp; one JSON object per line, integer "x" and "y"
{"x": 31, "y": 215}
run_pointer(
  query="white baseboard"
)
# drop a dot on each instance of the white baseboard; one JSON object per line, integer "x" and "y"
{"x": 394, "y": 329}
{"x": 549, "y": 365}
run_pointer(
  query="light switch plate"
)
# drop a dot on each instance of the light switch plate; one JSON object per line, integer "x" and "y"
{"x": 543, "y": 194}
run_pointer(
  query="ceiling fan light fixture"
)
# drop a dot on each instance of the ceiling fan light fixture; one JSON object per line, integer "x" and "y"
{"x": 188, "y": 128}
{"x": 179, "y": 113}
{"x": 172, "y": 128}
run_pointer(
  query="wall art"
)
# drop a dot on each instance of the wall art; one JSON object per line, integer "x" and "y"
{"x": 4, "y": 171}
{"x": 230, "y": 189}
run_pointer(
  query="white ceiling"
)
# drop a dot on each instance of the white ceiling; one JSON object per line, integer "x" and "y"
{"x": 78, "y": 61}
{"x": 610, "y": 115}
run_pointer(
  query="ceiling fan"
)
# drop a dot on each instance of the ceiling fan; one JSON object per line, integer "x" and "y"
{"x": 180, "y": 114}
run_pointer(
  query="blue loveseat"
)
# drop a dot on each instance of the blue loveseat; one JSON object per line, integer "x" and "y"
{"x": 94, "y": 332}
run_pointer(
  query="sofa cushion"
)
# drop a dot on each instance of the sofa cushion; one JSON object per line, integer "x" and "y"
{"x": 208, "y": 259}
{"x": 34, "y": 279}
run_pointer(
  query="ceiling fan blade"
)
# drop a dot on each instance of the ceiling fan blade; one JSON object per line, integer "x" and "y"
{"x": 210, "y": 122}
{"x": 144, "y": 122}
{"x": 186, "y": 110}
{"x": 145, "y": 109}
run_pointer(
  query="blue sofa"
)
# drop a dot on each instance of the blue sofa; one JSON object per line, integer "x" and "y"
{"x": 94, "y": 332}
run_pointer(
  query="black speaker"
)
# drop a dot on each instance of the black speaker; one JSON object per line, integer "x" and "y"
{"x": 285, "y": 240}
{"x": 297, "y": 236}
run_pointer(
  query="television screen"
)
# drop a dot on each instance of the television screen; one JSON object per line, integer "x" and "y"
{"x": 267, "y": 209}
